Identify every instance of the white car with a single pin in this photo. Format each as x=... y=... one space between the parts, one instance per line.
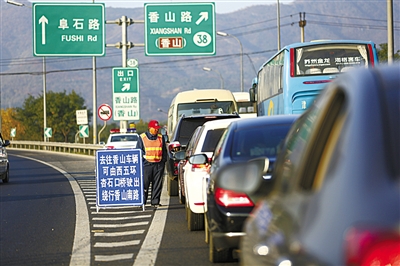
x=203 y=141
x=122 y=141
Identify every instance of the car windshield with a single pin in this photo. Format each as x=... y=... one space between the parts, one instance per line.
x=204 y=108
x=124 y=138
x=258 y=141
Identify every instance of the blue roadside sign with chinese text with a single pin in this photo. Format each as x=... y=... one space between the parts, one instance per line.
x=119 y=177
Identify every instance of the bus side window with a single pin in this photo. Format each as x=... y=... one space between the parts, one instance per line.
x=280 y=89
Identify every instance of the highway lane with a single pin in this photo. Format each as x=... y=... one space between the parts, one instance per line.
x=37 y=216
x=126 y=235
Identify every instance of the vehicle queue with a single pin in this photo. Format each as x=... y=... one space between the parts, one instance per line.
x=318 y=188
x=326 y=200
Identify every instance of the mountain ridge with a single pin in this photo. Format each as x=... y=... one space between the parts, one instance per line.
x=162 y=77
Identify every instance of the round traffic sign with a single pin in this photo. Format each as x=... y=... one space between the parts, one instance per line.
x=132 y=62
x=104 y=112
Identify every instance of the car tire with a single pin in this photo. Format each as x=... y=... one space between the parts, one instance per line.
x=195 y=221
x=6 y=176
x=182 y=199
x=172 y=187
x=186 y=212
x=216 y=255
x=206 y=230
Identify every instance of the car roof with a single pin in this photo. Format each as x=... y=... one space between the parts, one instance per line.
x=209 y=116
x=218 y=123
x=264 y=120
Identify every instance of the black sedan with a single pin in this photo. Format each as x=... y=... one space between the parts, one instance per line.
x=336 y=197
x=226 y=210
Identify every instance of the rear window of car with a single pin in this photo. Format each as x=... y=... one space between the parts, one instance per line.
x=211 y=139
x=187 y=128
x=258 y=141
x=187 y=125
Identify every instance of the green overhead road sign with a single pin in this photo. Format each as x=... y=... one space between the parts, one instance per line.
x=68 y=29
x=125 y=93
x=180 y=29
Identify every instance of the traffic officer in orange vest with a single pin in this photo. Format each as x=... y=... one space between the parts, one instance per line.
x=155 y=155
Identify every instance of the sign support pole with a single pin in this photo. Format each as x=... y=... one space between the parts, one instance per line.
x=44 y=99
x=124 y=124
x=124 y=45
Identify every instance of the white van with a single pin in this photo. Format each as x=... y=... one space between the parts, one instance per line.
x=200 y=102
x=245 y=107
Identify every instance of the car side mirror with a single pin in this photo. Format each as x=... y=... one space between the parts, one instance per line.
x=102 y=143
x=198 y=159
x=180 y=155
x=6 y=143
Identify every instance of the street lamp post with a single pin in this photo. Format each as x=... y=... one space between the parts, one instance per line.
x=44 y=77
x=278 y=21
x=224 y=34
x=161 y=111
x=210 y=69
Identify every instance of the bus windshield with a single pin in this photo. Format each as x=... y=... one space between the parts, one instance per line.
x=334 y=58
x=204 y=108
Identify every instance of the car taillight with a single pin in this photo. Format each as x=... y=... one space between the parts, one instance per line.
x=110 y=147
x=372 y=246
x=199 y=167
x=228 y=198
x=176 y=167
x=174 y=146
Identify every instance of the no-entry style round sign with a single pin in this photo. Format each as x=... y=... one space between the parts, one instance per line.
x=104 y=112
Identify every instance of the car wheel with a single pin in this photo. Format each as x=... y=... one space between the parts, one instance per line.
x=195 y=221
x=172 y=187
x=6 y=176
x=182 y=199
x=215 y=255
x=206 y=230
x=186 y=212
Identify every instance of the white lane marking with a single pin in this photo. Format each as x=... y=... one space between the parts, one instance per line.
x=124 y=233
x=119 y=225
x=116 y=244
x=115 y=213
x=120 y=218
x=81 y=247
x=117 y=257
x=148 y=252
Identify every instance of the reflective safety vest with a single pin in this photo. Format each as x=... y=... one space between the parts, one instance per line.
x=153 y=148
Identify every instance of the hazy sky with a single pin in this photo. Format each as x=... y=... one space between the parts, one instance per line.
x=221 y=6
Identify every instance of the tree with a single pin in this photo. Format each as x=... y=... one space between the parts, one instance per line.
x=31 y=116
x=8 y=121
x=60 y=115
x=383 y=53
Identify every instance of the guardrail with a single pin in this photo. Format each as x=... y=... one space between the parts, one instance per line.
x=76 y=148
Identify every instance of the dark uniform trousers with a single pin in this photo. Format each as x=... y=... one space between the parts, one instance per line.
x=154 y=174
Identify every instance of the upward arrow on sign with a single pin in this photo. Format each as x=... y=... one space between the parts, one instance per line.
x=43 y=20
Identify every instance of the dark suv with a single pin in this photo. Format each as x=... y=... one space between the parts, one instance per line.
x=180 y=138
